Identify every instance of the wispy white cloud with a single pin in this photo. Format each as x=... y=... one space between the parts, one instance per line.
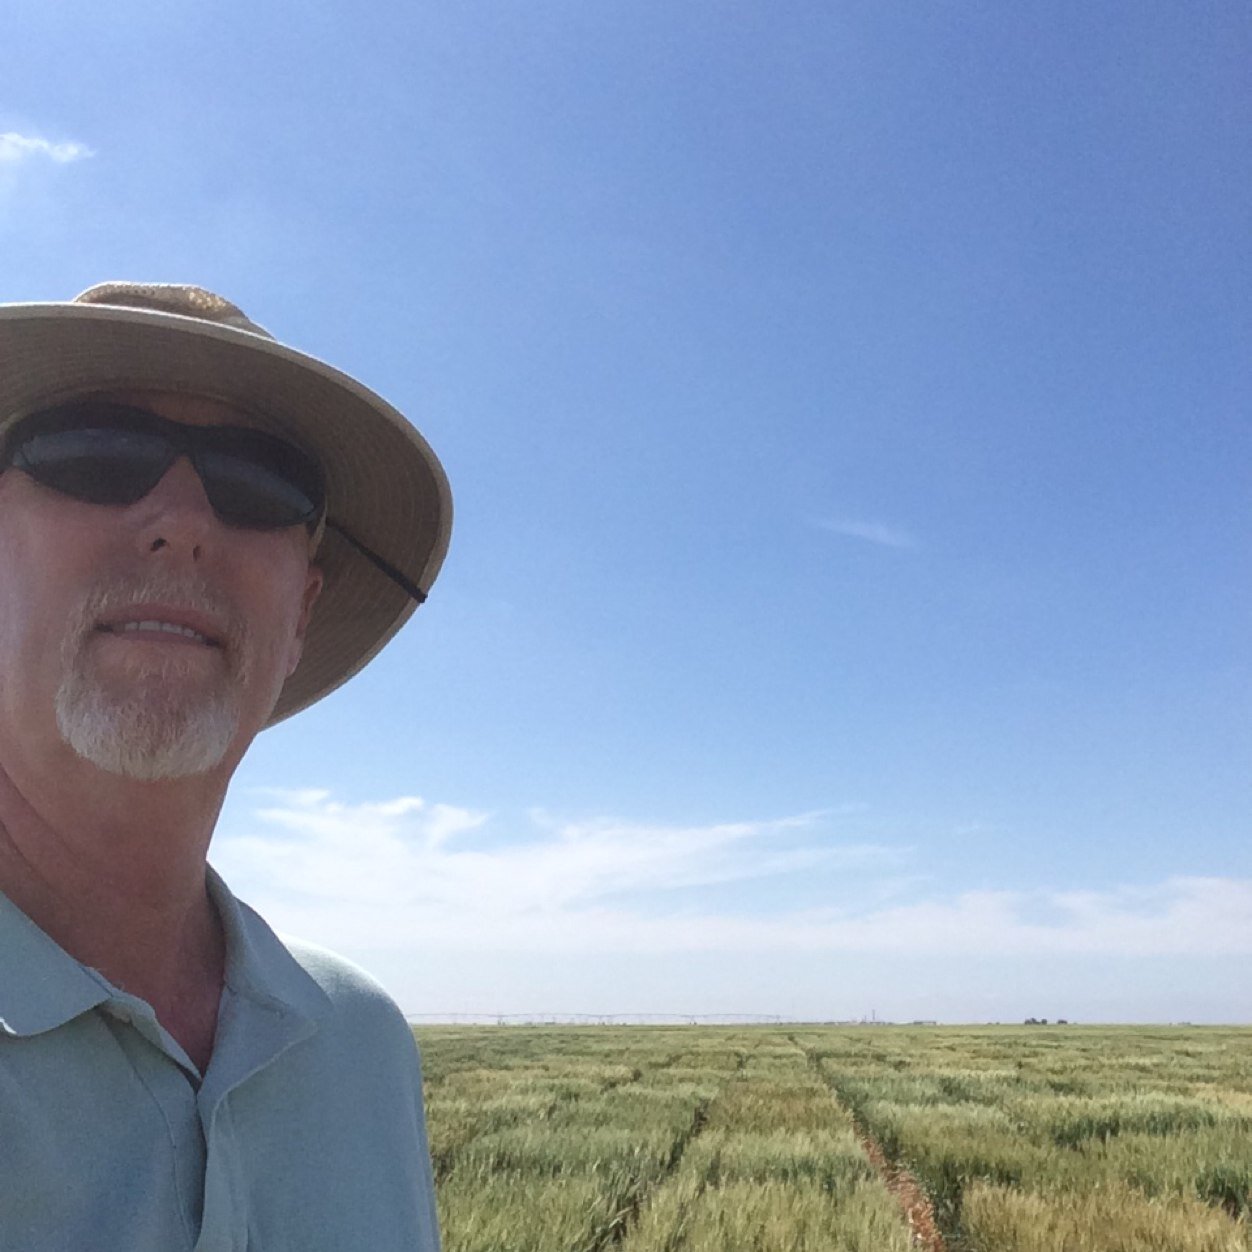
x=408 y=875
x=15 y=147
x=401 y=859
x=870 y=532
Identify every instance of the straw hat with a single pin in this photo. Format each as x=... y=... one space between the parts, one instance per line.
x=389 y=507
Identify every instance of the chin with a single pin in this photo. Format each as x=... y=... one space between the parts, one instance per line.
x=146 y=739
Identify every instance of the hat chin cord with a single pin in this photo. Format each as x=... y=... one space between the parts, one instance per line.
x=379 y=562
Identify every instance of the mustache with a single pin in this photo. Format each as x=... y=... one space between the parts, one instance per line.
x=187 y=591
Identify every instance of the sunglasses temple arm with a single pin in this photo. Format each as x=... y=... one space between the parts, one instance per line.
x=379 y=563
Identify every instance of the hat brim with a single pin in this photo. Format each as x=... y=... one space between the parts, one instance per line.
x=384 y=484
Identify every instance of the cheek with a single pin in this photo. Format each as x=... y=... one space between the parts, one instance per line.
x=35 y=586
x=277 y=608
x=41 y=586
x=51 y=548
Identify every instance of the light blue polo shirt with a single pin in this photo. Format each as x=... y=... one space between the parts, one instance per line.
x=306 y=1133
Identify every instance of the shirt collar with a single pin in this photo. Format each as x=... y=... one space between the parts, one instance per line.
x=41 y=986
x=269 y=1003
x=258 y=965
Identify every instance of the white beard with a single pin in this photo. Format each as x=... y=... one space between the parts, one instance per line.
x=149 y=727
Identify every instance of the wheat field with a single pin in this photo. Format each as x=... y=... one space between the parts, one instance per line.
x=756 y=1139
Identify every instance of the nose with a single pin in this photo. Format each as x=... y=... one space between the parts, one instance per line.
x=176 y=517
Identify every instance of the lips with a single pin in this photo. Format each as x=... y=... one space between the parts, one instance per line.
x=169 y=628
x=145 y=621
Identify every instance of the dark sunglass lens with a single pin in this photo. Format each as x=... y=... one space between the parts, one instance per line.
x=107 y=453
x=100 y=465
x=245 y=492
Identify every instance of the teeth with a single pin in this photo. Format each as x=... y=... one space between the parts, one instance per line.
x=169 y=628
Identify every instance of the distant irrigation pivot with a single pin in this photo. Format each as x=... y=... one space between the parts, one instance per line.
x=596 y=1019
x=643 y=1019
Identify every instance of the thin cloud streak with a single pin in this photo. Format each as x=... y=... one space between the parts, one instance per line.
x=407 y=876
x=399 y=851
x=15 y=147
x=871 y=532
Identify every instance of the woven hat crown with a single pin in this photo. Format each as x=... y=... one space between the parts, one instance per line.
x=187 y=301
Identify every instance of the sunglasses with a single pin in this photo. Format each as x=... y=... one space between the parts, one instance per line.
x=101 y=452
x=105 y=453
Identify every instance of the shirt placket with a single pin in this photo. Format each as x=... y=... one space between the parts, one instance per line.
x=172 y=1091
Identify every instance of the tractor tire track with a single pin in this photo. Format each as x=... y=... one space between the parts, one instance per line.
x=908 y=1193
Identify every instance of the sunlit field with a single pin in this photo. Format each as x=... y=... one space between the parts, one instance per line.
x=698 y=1139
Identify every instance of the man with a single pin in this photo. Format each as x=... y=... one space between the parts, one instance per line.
x=201 y=532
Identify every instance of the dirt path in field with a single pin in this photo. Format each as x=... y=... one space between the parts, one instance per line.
x=905 y=1189
x=908 y=1193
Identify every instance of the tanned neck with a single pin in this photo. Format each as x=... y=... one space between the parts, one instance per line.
x=114 y=872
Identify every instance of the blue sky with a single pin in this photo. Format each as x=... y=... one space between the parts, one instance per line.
x=847 y=409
